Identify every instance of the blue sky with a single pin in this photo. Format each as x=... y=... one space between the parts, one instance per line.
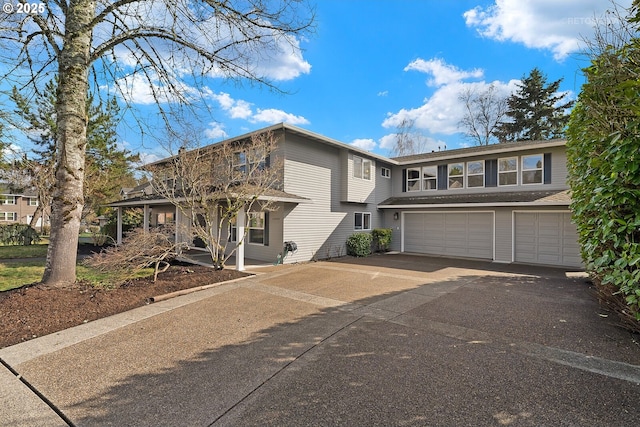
x=371 y=63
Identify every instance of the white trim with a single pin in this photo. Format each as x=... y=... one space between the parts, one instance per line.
x=363 y=214
x=493 y=213
x=517 y=171
x=456 y=176
x=467 y=175
x=473 y=205
x=522 y=169
x=513 y=225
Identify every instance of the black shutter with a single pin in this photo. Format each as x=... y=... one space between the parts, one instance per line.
x=442 y=177
x=547 y=168
x=491 y=173
x=404 y=180
x=267 y=161
x=266 y=228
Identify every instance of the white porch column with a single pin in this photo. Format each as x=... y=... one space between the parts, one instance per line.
x=119 y=227
x=145 y=221
x=178 y=219
x=240 y=222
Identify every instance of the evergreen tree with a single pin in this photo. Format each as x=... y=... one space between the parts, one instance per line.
x=536 y=111
x=107 y=168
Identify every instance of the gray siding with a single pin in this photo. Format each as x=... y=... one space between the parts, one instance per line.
x=321 y=226
x=558 y=174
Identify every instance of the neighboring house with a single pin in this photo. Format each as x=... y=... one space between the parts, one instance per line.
x=17 y=206
x=504 y=202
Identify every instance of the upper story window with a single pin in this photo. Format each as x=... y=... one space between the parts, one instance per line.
x=430 y=178
x=361 y=168
x=508 y=171
x=475 y=174
x=240 y=161
x=456 y=175
x=32 y=201
x=413 y=179
x=8 y=200
x=532 y=169
x=362 y=221
x=385 y=172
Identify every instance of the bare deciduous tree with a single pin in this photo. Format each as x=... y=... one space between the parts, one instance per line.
x=484 y=110
x=170 y=45
x=408 y=141
x=211 y=185
x=139 y=250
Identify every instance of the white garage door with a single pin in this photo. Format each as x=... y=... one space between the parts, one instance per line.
x=546 y=238
x=452 y=234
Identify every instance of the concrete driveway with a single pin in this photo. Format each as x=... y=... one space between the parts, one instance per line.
x=393 y=340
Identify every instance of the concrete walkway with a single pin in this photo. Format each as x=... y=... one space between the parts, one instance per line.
x=389 y=340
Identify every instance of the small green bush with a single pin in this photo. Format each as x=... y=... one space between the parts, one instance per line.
x=359 y=244
x=382 y=238
x=18 y=234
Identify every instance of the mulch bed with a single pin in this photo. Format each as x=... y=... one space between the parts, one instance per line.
x=33 y=311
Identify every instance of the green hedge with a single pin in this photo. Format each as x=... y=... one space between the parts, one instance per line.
x=359 y=244
x=18 y=234
x=603 y=158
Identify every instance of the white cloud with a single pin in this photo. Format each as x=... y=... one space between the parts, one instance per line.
x=441 y=112
x=273 y=116
x=383 y=93
x=215 y=131
x=365 y=144
x=427 y=144
x=559 y=26
x=442 y=72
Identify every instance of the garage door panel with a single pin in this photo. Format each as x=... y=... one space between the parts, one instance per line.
x=451 y=234
x=546 y=238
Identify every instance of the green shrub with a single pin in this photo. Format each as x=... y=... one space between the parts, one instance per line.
x=18 y=234
x=603 y=159
x=359 y=244
x=381 y=238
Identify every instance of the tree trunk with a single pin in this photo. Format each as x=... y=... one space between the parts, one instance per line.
x=68 y=200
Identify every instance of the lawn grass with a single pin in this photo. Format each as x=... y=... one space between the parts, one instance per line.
x=17 y=251
x=16 y=274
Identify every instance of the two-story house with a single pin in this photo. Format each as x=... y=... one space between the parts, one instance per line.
x=506 y=203
x=17 y=206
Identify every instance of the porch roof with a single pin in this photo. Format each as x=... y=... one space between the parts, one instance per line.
x=516 y=198
x=269 y=195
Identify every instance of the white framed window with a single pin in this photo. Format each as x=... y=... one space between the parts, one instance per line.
x=233 y=230
x=255 y=224
x=8 y=216
x=532 y=169
x=429 y=178
x=508 y=171
x=32 y=201
x=361 y=168
x=239 y=162
x=8 y=200
x=385 y=172
x=475 y=174
x=456 y=175
x=164 y=218
x=413 y=179
x=362 y=221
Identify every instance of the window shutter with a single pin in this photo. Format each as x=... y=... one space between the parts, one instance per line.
x=266 y=228
x=404 y=180
x=442 y=177
x=547 y=168
x=267 y=161
x=491 y=173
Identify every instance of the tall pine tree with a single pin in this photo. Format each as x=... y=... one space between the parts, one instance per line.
x=536 y=111
x=107 y=167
